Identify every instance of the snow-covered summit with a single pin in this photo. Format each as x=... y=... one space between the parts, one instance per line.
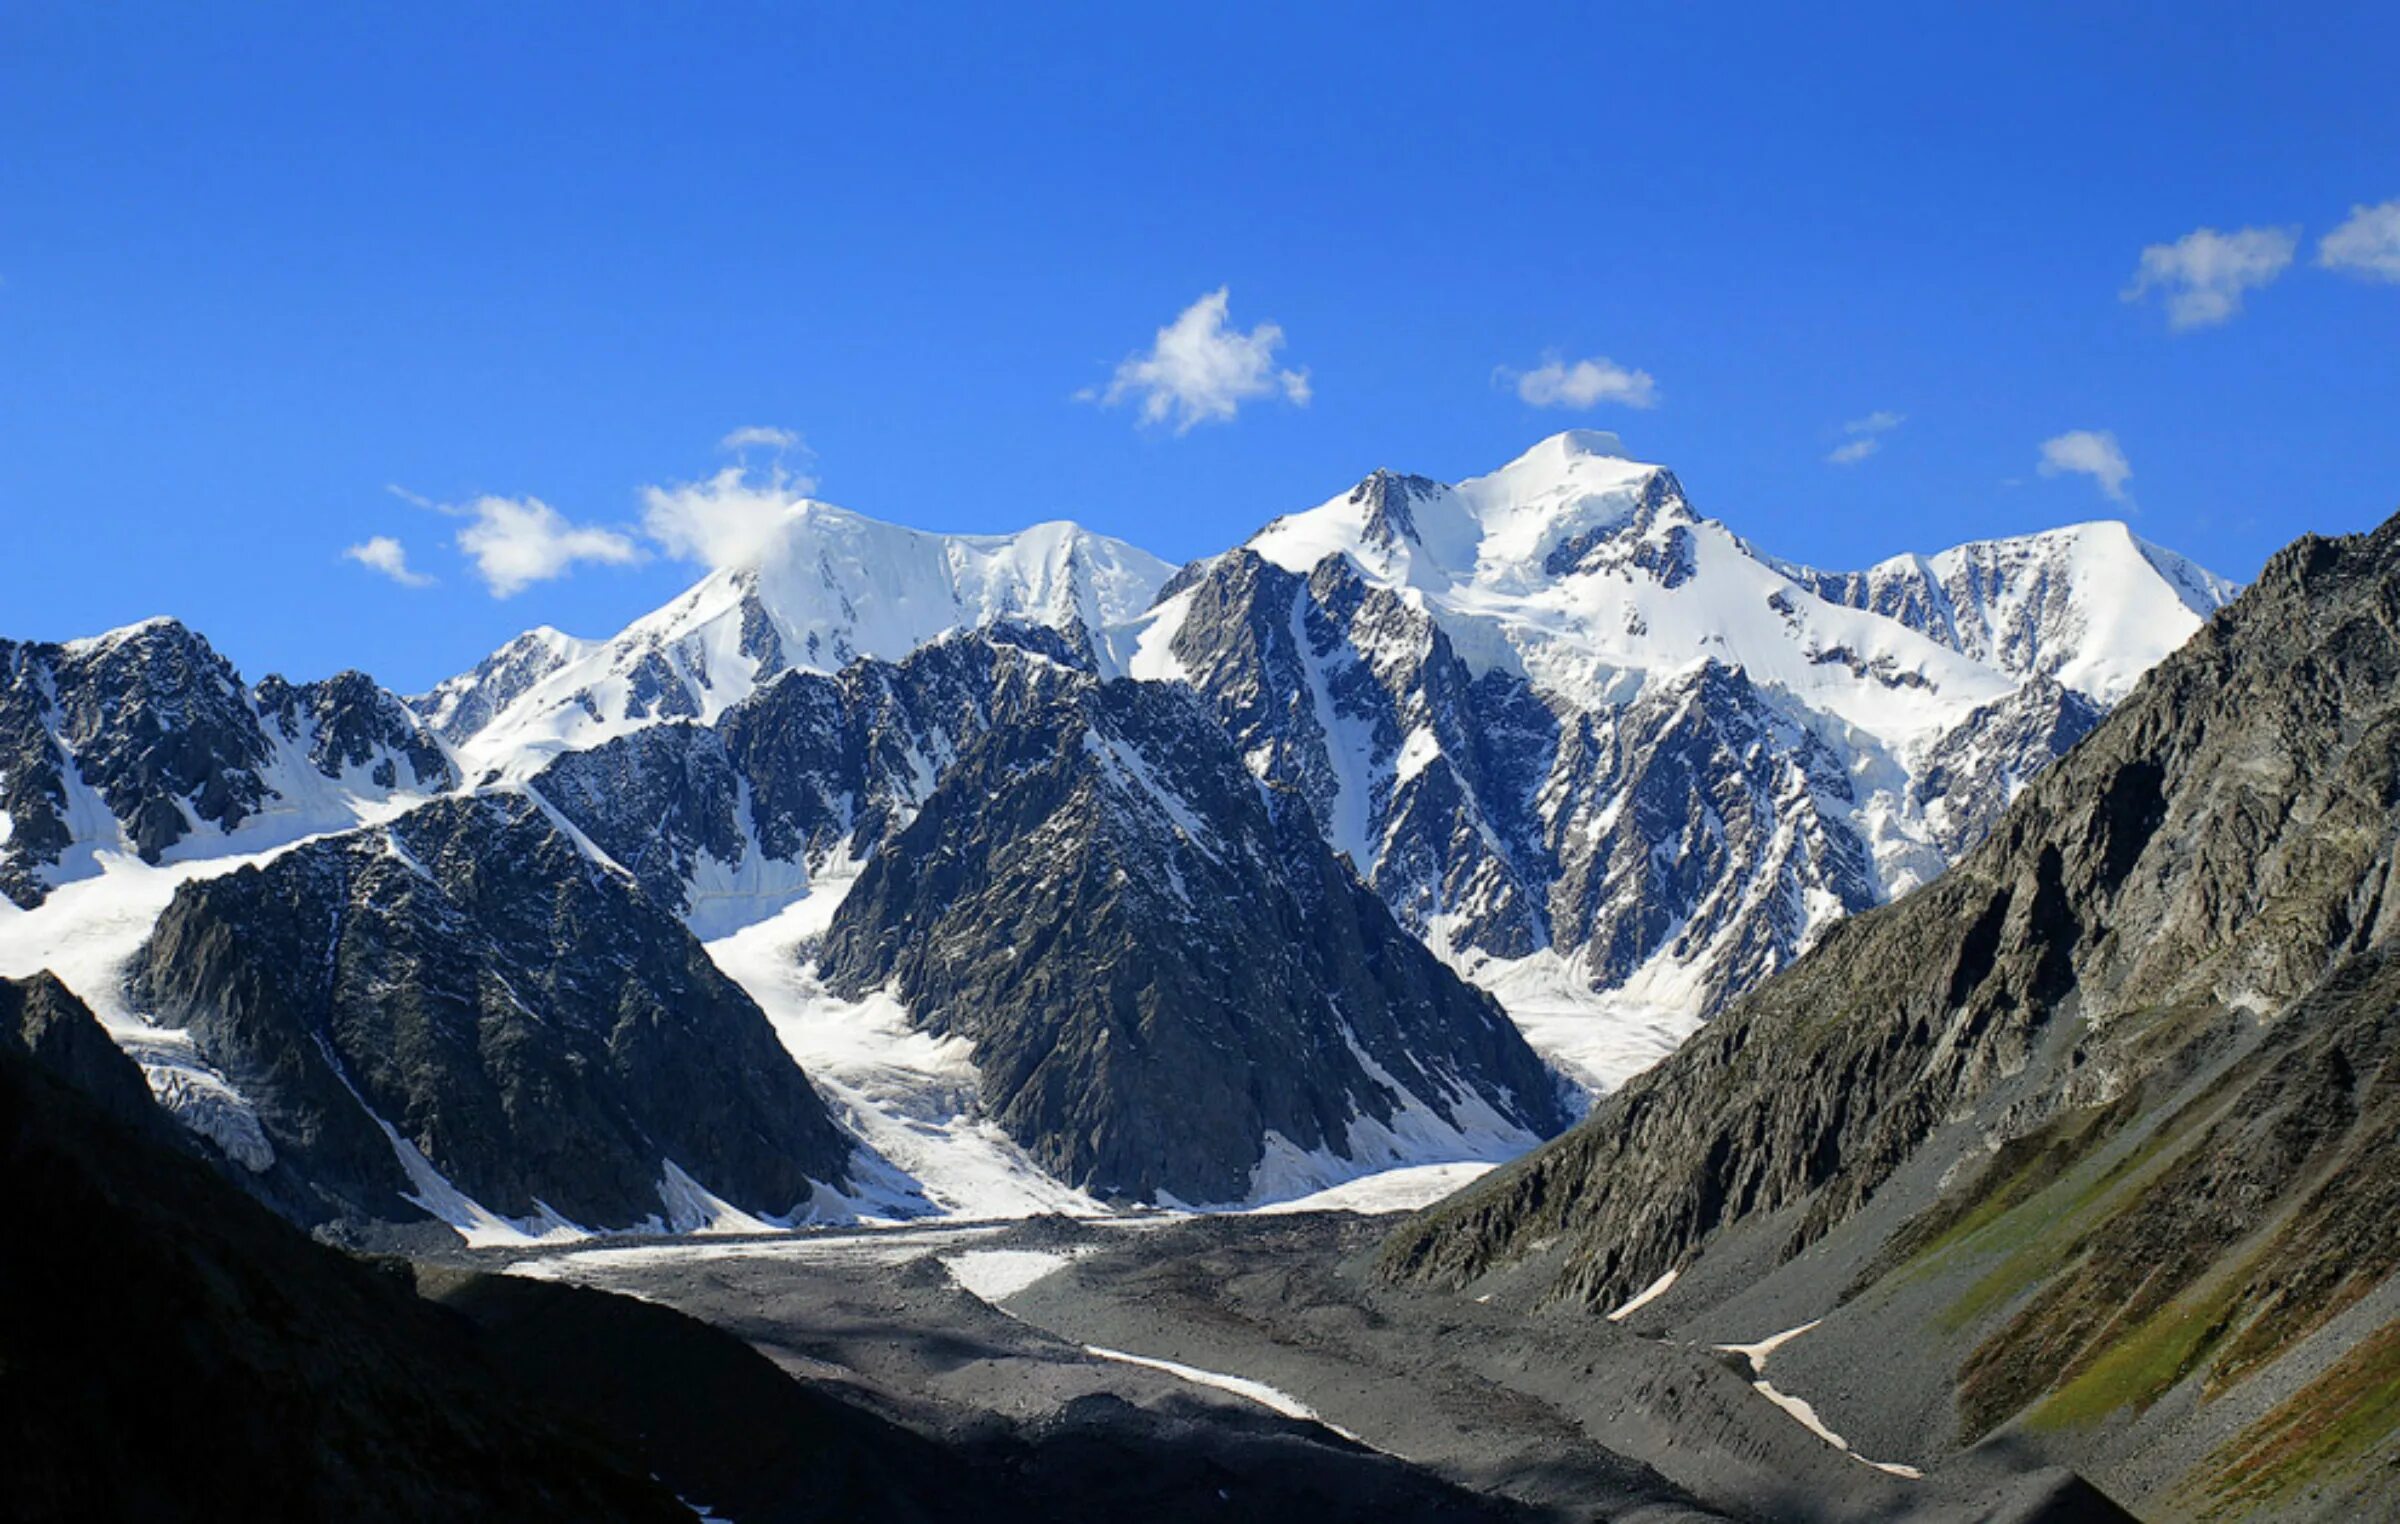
x=2092 y=606
x=1589 y=573
x=1554 y=713
x=826 y=587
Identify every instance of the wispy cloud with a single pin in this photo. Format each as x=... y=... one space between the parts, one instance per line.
x=2089 y=452
x=2368 y=244
x=2203 y=274
x=1583 y=384
x=518 y=541
x=1200 y=370
x=758 y=436
x=1866 y=437
x=724 y=520
x=381 y=553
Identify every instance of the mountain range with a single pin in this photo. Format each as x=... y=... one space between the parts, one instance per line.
x=889 y=873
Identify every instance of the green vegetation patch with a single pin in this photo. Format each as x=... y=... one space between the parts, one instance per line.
x=2346 y=1415
x=2144 y=1365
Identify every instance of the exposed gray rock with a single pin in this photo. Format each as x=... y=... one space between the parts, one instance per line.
x=809 y=769
x=462 y=705
x=533 y=1025
x=1159 y=962
x=348 y=724
x=148 y=719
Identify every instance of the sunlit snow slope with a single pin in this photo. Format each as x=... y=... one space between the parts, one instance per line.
x=826 y=588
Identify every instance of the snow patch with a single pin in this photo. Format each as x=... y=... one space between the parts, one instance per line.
x=994 y=1275
x=911 y=1098
x=1646 y=1296
x=1255 y=1391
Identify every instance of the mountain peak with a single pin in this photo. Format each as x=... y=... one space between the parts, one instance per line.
x=1571 y=444
x=156 y=627
x=822 y=588
x=1386 y=496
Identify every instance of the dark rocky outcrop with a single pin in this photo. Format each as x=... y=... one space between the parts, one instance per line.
x=148 y=718
x=1159 y=961
x=536 y=1027
x=1283 y=657
x=1702 y=823
x=348 y=724
x=41 y=1020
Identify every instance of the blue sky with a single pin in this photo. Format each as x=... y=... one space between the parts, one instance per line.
x=258 y=267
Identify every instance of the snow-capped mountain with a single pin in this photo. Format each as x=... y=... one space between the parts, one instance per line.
x=1554 y=714
x=980 y=824
x=1173 y=988
x=2091 y=606
x=826 y=588
x=459 y=1015
x=144 y=743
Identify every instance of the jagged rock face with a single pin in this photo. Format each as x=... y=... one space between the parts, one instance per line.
x=1972 y=774
x=461 y=706
x=1352 y=698
x=1159 y=962
x=137 y=738
x=2039 y=606
x=661 y=802
x=348 y=724
x=807 y=770
x=2148 y=1023
x=835 y=763
x=531 y=1024
x=1699 y=824
x=1486 y=693
x=148 y=719
x=1702 y=827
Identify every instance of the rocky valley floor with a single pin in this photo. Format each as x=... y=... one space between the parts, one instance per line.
x=1268 y=1333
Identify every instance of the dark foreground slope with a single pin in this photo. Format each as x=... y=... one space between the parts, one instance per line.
x=2093 y=1144
x=171 y=1350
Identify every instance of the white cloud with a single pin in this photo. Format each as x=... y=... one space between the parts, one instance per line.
x=2368 y=244
x=1200 y=371
x=1866 y=436
x=2204 y=273
x=516 y=542
x=759 y=436
x=384 y=554
x=725 y=520
x=1584 y=384
x=2089 y=452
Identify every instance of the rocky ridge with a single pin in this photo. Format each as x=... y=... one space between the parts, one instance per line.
x=142 y=739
